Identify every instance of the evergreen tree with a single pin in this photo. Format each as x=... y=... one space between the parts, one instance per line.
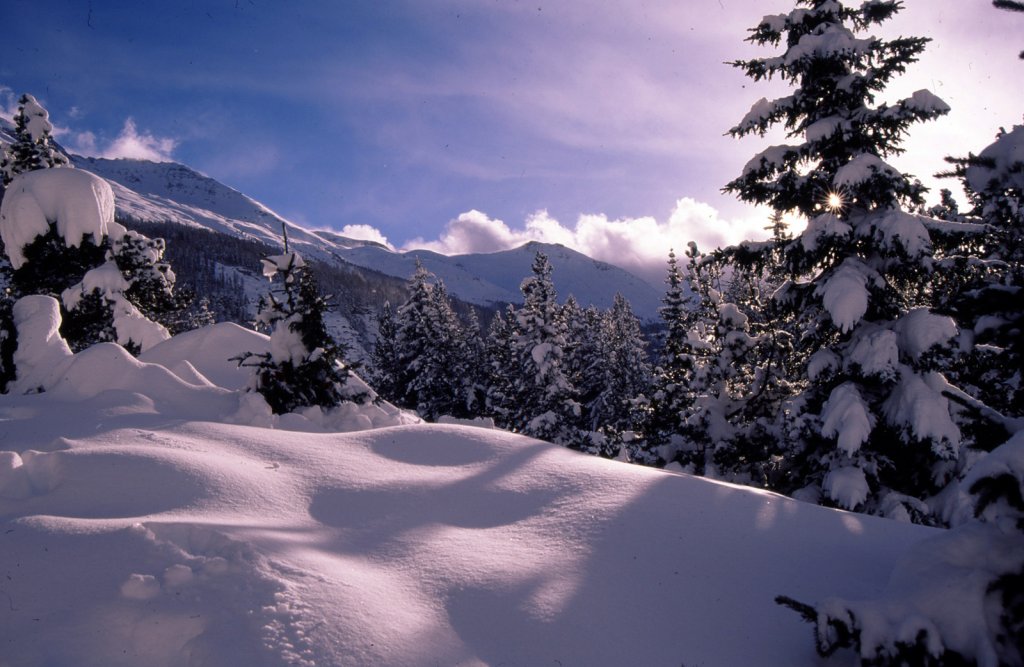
x=499 y=350
x=428 y=349
x=854 y=299
x=544 y=402
x=387 y=370
x=305 y=365
x=983 y=275
x=33 y=146
x=626 y=370
x=473 y=367
x=671 y=374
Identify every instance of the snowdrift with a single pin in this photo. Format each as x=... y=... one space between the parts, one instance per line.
x=150 y=514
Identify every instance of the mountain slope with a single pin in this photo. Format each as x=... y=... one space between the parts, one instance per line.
x=169 y=192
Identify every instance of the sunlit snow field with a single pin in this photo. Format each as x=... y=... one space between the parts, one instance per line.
x=160 y=516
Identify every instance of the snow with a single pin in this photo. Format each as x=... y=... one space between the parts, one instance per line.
x=773 y=22
x=918 y=405
x=844 y=294
x=78 y=202
x=1001 y=163
x=143 y=520
x=898 y=229
x=847 y=418
x=965 y=561
x=129 y=323
x=861 y=169
x=875 y=351
x=833 y=39
x=920 y=330
x=847 y=486
x=38 y=122
x=823 y=128
x=770 y=159
x=822 y=227
x=926 y=102
x=41 y=350
x=759 y=112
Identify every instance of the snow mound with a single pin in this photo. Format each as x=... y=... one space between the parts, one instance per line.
x=78 y=202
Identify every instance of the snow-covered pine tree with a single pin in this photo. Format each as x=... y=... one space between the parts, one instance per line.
x=473 y=368
x=584 y=357
x=386 y=367
x=983 y=286
x=622 y=403
x=428 y=341
x=671 y=375
x=450 y=386
x=305 y=365
x=33 y=146
x=58 y=230
x=544 y=403
x=499 y=349
x=881 y=435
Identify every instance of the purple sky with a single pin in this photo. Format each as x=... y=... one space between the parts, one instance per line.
x=470 y=125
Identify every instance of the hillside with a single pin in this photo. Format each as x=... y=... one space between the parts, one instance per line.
x=160 y=518
x=168 y=192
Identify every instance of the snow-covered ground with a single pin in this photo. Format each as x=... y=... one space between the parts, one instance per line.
x=152 y=514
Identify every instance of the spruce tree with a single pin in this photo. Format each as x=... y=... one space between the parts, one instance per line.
x=671 y=375
x=626 y=370
x=386 y=367
x=305 y=366
x=428 y=342
x=33 y=146
x=544 y=402
x=499 y=351
x=876 y=432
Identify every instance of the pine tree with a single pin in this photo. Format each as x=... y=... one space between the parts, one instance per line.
x=854 y=299
x=671 y=374
x=626 y=370
x=983 y=274
x=387 y=370
x=544 y=403
x=428 y=345
x=305 y=365
x=499 y=377
x=33 y=146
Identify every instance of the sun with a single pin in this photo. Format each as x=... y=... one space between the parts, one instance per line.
x=834 y=202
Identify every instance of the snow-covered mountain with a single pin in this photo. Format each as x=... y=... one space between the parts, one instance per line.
x=169 y=192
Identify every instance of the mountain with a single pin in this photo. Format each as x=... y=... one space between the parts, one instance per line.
x=151 y=192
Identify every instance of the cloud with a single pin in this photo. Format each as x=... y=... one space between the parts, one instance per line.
x=365 y=233
x=131 y=144
x=640 y=245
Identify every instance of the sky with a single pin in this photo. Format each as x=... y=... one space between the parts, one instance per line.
x=471 y=125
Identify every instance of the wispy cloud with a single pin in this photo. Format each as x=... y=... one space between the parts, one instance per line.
x=131 y=143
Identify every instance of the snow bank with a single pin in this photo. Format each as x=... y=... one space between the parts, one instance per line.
x=203 y=543
x=41 y=351
x=78 y=202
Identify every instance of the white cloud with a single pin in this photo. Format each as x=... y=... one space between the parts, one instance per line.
x=140 y=146
x=640 y=245
x=365 y=233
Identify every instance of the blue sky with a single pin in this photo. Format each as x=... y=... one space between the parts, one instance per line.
x=468 y=124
